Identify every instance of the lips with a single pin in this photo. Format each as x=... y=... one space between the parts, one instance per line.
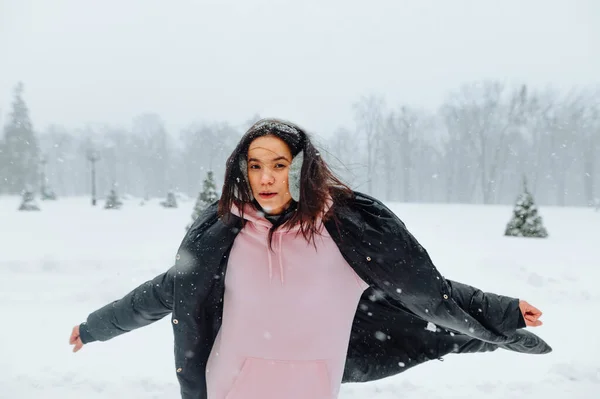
x=267 y=195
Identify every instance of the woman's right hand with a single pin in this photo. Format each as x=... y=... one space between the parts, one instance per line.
x=75 y=339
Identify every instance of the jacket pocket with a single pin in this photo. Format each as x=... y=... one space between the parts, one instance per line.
x=282 y=379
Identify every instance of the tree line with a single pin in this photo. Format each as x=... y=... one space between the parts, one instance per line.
x=475 y=148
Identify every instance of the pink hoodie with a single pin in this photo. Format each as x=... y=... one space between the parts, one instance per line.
x=287 y=316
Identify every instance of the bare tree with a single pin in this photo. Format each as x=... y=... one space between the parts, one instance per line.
x=398 y=143
x=565 y=124
x=486 y=119
x=459 y=157
x=343 y=154
x=63 y=166
x=590 y=144
x=534 y=137
x=155 y=147
x=368 y=114
x=389 y=151
x=408 y=125
x=205 y=147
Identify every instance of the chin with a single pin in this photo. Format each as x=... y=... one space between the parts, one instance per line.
x=276 y=203
x=270 y=207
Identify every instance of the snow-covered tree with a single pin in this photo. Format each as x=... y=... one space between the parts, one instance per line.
x=171 y=201
x=19 y=153
x=28 y=202
x=113 y=201
x=48 y=194
x=526 y=222
x=208 y=195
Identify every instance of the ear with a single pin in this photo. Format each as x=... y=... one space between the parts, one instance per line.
x=294 y=174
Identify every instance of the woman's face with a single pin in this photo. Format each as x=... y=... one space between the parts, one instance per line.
x=269 y=160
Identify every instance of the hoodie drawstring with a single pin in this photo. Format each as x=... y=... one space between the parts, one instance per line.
x=280 y=260
x=270 y=264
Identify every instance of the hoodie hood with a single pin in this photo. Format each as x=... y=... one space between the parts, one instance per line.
x=259 y=230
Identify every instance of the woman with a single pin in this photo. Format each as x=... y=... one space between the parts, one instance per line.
x=292 y=283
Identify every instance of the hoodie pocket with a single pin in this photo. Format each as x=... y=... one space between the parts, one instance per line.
x=282 y=379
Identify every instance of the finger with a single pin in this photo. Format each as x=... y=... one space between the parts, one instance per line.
x=534 y=315
x=533 y=323
x=74 y=333
x=77 y=347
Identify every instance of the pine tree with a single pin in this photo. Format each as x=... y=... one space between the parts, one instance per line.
x=113 y=201
x=171 y=201
x=48 y=194
x=28 y=202
x=206 y=197
x=526 y=222
x=20 y=148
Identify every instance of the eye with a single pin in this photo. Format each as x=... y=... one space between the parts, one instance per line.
x=280 y=166
x=254 y=166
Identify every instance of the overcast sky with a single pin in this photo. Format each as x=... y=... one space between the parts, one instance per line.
x=305 y=60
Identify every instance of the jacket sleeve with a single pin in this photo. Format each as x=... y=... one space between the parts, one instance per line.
x=152 y=300
x=149 y=302
x=498 y=313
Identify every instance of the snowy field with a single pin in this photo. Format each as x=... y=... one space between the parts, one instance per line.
x=59 y=264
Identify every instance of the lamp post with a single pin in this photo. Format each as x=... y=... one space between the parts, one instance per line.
x=43 y=162
x=93 y=157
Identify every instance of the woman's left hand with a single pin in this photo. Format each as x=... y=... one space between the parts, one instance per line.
x=531 y=314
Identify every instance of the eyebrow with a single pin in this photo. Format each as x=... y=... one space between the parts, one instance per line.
x=272 y=160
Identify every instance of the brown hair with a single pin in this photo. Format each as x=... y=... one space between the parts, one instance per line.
x=317 y=182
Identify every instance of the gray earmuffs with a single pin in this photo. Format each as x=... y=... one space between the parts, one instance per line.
x=294 y=175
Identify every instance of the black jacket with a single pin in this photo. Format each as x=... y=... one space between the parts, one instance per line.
x=410 y=313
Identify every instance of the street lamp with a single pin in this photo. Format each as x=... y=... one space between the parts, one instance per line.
x=43 y=162
x=93 y=157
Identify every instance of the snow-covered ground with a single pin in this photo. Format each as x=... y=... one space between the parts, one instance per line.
x=59 y=264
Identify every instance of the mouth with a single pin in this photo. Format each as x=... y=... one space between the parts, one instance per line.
x=267 y=195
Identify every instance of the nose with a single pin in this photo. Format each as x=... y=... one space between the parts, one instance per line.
x=266 y=177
